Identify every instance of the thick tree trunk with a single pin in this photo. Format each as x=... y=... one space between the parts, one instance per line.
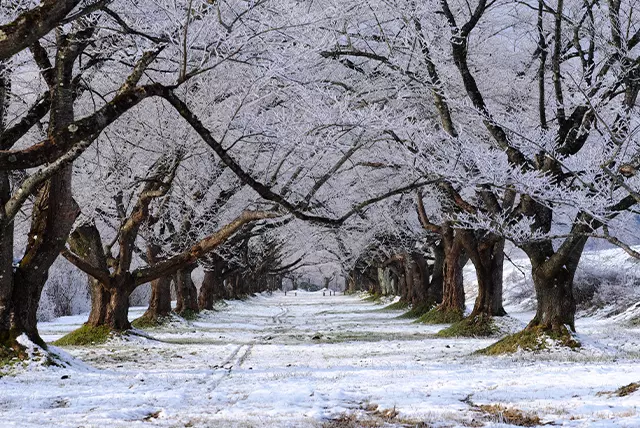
x=454 y=261
x=350 y=282
x=85 y=241
x=554 y=292
x=420 y=273
x=100 y=301
x=6 y=262
x=186 y=292
x=487 y=256
x=110 y=304
x=211 y=290
x=117 y=316
x=371 y=277
x=403 y=290
x=26 y=298
x=160 y=300
x=53 y=216
x=553 y=273
x=556 y=303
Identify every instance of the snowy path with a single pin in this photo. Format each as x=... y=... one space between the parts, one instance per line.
x=301 y=360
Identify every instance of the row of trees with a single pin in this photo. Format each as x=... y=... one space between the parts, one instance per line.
x=527 y=114
x=105 y=106
x=140 y=138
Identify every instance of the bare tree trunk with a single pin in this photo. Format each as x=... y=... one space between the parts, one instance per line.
x=211 y=290
x=370 y=275
x=6 y=264
x=553 y=281
x=453 y=286
x=100 y=301
x=403 y=290
x=26 y=298
x=86 y=242
x=186 y=292
x=419 y=272
x=556 y=303
x=117 y=316
x=53 y=216
x=160 y=300
x=6 y=227
x=487 y=256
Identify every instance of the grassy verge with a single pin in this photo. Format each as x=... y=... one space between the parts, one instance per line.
x=374 y=298
x=437 y=316
x=471 y=327
x=85 y=335
x=534 y=339
x=397 y=306
x=417 y=311
x=189 y=314
x=147 y=322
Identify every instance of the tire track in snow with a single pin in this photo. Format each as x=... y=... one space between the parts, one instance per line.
x=235 y=360
x=277 y=319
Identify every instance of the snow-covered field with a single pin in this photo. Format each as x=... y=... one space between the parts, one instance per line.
x=295 y=361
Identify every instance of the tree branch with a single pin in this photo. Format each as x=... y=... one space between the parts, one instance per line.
x=32 y=25
x=206 y=245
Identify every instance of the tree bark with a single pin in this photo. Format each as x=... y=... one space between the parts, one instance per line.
x=211 y=290
x=487 y=256
x=117 y=316
x=160 y=300
x=553 y=281
x=556 y=303
x=186 y=292
x=52 y=219
x=100 y=301
x=6 y=227
x=420 y=274
x=454 y=261
x=6 y=263
x=26 y=298
x=32 y=25
x=85 y=241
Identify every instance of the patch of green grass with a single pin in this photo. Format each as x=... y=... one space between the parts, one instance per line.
x=374 y=298
x=478 y=326
x=9 y=357
x=10 y=350
x=146 y=322
x=397 y=306
x=85 y=335
x=533 y=340
x=438 y=316
x=623 y=391
x=189 y=314
x=627 y=389
x=417 y=311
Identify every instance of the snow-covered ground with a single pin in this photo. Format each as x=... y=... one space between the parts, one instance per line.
x=296 y=361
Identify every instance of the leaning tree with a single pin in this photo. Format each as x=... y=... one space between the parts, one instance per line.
x=49 y=134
